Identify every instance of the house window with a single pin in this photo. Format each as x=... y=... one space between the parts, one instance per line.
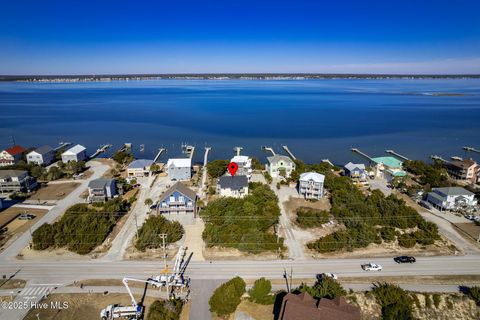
x=172 y=199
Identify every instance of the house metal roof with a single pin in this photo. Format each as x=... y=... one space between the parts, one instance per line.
x=11 y=173
x=15 y=150
x=43 y=150
x=180 y=162
x=388 y=161
x=180 y=187
x=140 y=164
x=276 y=158
x=233 y=182
x=307 y=176
x=454 y=191
x=352 y=166
x=75 y=149
x=100 y=183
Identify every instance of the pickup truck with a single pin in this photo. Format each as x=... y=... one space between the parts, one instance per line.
x=371 y=267
x=325 y=275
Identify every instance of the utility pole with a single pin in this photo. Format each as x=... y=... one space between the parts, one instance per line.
x=164 y=237
x=136 y=224
x=286 y=278
x=291 y=277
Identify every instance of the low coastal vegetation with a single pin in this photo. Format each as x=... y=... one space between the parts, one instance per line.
x=428 y=175
x=154 y=226
x=217 y=168
x=311 y=218
x=81 y=228
x=245 y=224
x=395 y=302
x=324 y=288
x=370 y=218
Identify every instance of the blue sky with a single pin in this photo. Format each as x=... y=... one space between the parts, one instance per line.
x=103 y=36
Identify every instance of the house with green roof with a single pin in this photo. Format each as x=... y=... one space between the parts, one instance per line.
x=389 y=168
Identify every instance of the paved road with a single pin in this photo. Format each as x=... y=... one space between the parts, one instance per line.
x=69 y=270
x=62 y=205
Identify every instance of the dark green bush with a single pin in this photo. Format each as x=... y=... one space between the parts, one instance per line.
x=436 y=300
x=149 y=233
x=226 y=298
x=260 y=292
x=217 y=168
x=474 y=294
x=396 y=303
x=165 y=310
x=388 y=234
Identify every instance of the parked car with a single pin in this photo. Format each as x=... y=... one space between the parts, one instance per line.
x=404 y=259
x=470 y=217
x=371 y=267
x=324 y=275
x=26 y=216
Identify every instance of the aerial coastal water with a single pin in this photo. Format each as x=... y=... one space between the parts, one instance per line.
x=317 y=119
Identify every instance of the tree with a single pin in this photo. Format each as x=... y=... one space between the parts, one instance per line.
x=38 y=171
x=123 y=157
x=154 y=168
x=260 y=292
x=149 y=233
x=226 y=298
x=217 y=168
x=165 y=310
x=148 y=202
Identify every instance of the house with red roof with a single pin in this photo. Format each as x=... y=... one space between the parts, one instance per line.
x=11 y=155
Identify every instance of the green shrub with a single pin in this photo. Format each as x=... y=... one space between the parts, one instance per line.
x=165 y=310
x=416 y=300
x=226 y=298
x=81 y=228
x=395 y=302
x=217 y=168
x=325 y=288
x=474 y=294
x=310 y=218
x=43 y=237
x=149 y=233
x=436 y=300
x=407 y=240
x=428 y=301
x=268 y=177
x=388 y=234
x=260 y=292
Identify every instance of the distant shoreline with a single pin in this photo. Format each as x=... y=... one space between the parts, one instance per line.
x=222 y=76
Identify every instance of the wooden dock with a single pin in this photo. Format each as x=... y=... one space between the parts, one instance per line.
x=289 y=152
x=100 y=150
x=62 y=145
x=237 y=150
x=398 y=155
x=356 y=150
x=435 y=157
x=160 y=151
x=471 y=149
x=268 y=149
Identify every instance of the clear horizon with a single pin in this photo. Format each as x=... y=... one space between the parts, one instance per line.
x=374 y=37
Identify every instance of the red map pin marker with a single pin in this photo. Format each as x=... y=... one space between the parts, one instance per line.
x=232 y=168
